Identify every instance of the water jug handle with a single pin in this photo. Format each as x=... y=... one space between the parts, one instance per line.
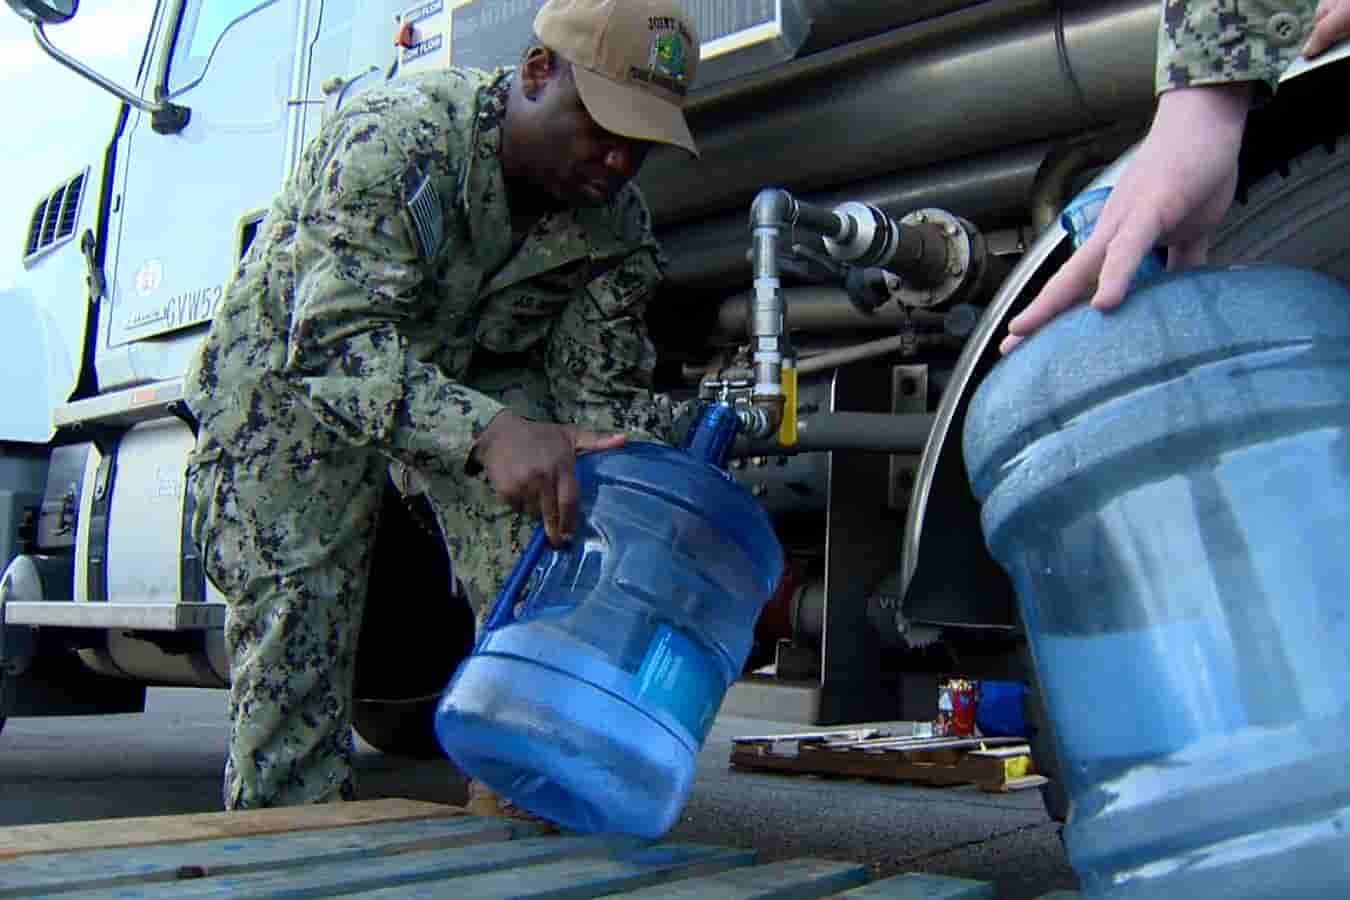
x=503 y=611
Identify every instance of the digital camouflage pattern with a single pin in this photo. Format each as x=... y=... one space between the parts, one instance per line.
x=384 y=314
x=1221 y=41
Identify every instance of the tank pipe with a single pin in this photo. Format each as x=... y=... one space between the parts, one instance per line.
x=833 y=359
x=822 y=308
x=867 y=432
x=856 y=233
x=772 y=212
x=1054 y=184
x=708 y=253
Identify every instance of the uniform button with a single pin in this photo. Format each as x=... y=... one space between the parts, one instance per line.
x=1283 y=29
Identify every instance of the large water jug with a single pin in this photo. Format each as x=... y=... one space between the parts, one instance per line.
x=1168 y=486
x=603 y=663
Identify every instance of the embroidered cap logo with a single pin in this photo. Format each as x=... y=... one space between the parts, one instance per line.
x=667 y=57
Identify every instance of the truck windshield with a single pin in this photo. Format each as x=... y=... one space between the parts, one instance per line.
x=203 y=24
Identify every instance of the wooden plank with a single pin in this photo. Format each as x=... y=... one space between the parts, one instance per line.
x=579 y=879
x=856 y=734
x=923 y=887
x=1005 y=752
x=87 y=869
x=306 y=879
x=934 y=743
x=887 y=767
x=64 y=836
x=1016 y=784
x=797 y=879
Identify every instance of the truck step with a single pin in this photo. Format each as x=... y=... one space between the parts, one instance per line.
x=403 y=849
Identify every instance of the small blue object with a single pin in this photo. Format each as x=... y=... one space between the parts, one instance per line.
x=999 y=710
x=603 y=663
x=1168 y=488
x=1080 y=217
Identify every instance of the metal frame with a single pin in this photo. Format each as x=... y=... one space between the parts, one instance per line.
x=862 y=545
x=127 y=616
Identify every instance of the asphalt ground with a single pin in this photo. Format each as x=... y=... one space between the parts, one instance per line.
x=168 y=760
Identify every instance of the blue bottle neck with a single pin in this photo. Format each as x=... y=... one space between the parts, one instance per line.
x=712 y=434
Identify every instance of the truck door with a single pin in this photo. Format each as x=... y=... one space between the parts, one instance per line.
x=188 y=203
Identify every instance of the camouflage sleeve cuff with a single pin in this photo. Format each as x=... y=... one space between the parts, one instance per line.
x=1204 y=42
x=440 y=421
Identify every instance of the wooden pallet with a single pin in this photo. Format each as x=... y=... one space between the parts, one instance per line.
x=992 y=764
x=402 y=849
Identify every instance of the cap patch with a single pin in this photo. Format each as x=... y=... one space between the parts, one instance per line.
x=667 y=58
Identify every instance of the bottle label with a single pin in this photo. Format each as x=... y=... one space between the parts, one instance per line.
x=676 y=676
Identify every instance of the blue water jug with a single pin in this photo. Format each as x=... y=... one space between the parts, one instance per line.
x=1168 y=486
x=603 y=663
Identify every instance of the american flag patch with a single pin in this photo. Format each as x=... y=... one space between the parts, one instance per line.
x=424 y=208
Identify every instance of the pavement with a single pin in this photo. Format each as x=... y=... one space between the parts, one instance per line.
x=168 y=760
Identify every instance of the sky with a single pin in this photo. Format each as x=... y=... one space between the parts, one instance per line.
x=55 y=121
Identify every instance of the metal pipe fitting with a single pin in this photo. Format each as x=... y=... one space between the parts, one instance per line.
x=771 y=213
x=869 y=432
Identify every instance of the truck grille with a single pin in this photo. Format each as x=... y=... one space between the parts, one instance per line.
x=55 y=217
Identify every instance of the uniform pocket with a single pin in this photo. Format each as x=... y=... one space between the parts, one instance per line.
x=208 y=519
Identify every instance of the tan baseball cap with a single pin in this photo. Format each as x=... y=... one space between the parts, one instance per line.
x=634 y=61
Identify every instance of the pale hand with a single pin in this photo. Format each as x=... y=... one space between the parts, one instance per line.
x=1173 y=193
x=1330 y=25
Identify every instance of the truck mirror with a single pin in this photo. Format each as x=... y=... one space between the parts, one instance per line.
x=48 y=12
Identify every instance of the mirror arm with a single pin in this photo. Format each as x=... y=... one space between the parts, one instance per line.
x=165 y=118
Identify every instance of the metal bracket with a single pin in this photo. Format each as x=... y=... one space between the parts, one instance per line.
x=909 y=395
x=170 y=118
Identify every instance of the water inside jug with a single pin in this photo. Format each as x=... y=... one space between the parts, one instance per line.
x=1168 y=486
x=604 y=662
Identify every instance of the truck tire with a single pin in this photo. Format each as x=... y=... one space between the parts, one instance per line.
x=415 y=630
x=1298 y=214
x=399 y=727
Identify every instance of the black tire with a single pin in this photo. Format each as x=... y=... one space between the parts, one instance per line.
x=1298 y=214
x=399 y=727
x=415 y=631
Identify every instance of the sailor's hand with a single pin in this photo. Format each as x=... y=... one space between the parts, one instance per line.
x=532 y=467
x=1331 y=25
x=1172 y=193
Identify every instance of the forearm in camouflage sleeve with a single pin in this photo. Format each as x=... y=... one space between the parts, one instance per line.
x=359 y=275
x=1222 y=41
x=600 y=359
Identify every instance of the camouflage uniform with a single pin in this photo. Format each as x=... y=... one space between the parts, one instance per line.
x=385 y=313
x=1220 y=41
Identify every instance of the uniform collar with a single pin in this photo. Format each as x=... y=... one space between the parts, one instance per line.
x=556 y=240
x=482 y=195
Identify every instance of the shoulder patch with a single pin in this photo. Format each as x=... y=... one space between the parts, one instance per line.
x=424 y=209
